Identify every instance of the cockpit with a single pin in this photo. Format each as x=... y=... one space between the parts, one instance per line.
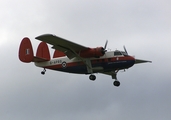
x=118 y=53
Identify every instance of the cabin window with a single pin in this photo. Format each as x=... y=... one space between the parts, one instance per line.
x=116 y=53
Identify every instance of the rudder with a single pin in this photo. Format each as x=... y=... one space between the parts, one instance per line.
x=43 y=52
x=26 y=51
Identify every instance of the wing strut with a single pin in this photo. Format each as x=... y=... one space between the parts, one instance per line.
x=89 y=66
x=87 y=62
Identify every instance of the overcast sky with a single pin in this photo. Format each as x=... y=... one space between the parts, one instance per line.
x=143 y=26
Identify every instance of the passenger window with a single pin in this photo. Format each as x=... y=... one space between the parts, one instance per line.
x=116 y=53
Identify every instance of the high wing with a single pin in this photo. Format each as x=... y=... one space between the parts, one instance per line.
x=69 y=48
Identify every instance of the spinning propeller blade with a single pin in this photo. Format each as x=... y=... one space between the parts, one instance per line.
x=104 y=48
x=105 y=44
x=125 y=49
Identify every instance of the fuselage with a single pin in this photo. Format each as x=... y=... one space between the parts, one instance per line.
x=109 y=62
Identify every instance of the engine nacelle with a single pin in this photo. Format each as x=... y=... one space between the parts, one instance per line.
x=92 y=52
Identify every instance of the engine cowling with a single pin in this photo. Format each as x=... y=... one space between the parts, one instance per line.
x=92 y=52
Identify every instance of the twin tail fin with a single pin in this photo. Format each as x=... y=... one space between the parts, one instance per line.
x=26 y=52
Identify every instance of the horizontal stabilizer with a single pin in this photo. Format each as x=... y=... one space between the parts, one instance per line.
x=37 y=59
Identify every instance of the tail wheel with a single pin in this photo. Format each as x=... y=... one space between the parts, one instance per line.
x=43 y=72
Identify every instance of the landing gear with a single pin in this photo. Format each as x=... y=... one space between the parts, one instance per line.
x=43 y=72
x=116 y=83
x=114 y=76
x=92 y=77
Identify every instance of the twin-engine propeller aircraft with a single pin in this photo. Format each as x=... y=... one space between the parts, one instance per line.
x=74 y=58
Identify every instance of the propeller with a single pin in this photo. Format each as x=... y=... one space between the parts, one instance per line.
x=125 y=49
x=104 y=48
x=106 y=45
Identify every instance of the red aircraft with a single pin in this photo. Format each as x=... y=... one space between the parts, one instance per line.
x=74 y=58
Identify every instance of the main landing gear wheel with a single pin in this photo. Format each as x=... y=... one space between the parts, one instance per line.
x=116 y=83
x=43 y=72
x=92 y=77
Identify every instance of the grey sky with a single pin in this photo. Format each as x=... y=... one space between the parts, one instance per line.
x=143 y=26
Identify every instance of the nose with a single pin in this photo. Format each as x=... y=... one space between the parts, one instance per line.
x=132 y=59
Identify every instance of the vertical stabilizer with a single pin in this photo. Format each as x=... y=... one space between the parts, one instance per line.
x=43 y=51
x=25 y=51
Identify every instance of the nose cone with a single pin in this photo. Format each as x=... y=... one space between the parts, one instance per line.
x=137 y=61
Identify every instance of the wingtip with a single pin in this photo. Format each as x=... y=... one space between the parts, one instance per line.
x=44 y=35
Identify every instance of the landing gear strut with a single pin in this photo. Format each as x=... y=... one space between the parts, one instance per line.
x=43 y=72
x=114 y=76
x=92 y=77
